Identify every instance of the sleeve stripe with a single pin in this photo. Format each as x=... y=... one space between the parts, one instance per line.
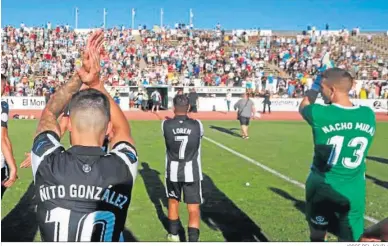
x=163 y=126
x=200 y=127
x=36 y=160
x=124 y=142
x=132 y=167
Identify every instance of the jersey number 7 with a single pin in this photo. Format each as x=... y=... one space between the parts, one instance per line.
x=182 y=148
x=359 y=143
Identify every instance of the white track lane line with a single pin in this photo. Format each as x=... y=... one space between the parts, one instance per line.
x=270 y=170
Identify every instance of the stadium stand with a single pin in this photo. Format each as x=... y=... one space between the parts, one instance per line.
x=37 y=60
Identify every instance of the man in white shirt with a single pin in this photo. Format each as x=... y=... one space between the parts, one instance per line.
x=156 y=100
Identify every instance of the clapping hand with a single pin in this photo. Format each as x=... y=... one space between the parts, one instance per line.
x=90 y=70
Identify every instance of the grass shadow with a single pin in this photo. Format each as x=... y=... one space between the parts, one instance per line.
x=157 y=193
x=20 y=224
x=377 y=159
x=220 y=213
x=128 y=236
x=225 y=130
x=298 y=204
x=377 y=181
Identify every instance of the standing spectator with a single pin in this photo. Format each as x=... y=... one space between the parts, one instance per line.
x=267 y=101
x=363 y=92
x=131 y=99
x=145 y=102
x=228 y=99
x=116 y=98
x=139 y=99
x=156 y=100
x=193 y=101
x=246 y=110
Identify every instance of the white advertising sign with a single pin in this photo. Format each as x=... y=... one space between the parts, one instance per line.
x=25 y=102
x=124 y=103
x=216 y=90
x=379 y=81
x=207 y=103
x=283 y=105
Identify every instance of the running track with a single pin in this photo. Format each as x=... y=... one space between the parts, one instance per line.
x=139 y=115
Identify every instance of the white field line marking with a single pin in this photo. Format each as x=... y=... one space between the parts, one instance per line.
x=270 y=170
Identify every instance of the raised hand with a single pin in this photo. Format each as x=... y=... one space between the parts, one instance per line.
x=90 y=70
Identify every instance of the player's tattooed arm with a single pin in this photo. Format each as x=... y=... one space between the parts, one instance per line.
x=56 y=104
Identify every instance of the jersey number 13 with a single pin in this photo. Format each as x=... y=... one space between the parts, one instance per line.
x=359 y=144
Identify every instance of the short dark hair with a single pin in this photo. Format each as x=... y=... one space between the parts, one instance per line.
x=339 y=77
x=90 y=98
x=336 y=73
x=181 y=101
x=3 y=77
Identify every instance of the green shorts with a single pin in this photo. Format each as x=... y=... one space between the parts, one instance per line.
x=334 y=207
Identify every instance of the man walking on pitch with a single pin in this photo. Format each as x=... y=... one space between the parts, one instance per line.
x=183 y=168
x=246 y=111
x=343 y=133
x=83 y=193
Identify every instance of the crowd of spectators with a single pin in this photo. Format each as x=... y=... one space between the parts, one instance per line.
x=38 y=60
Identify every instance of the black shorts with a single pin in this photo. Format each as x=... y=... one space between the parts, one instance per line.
x=4 y=173
x=192 y=191
x=193 y=109
x=155 y=103
x=244 y=121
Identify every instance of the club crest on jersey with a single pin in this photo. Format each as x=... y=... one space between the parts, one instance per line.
x=86 y=168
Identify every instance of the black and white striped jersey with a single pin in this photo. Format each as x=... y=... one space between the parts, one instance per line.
x=4 y=124
x=183 y=149
x=83 y=194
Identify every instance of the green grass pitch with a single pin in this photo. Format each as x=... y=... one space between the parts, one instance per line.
x=269 y=206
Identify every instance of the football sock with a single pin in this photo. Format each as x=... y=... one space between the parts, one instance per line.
x=174 y=226
x=193 y=234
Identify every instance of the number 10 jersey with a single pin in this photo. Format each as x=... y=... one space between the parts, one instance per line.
x=83 y=194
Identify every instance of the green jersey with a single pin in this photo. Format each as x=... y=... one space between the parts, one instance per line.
x=342 y=137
